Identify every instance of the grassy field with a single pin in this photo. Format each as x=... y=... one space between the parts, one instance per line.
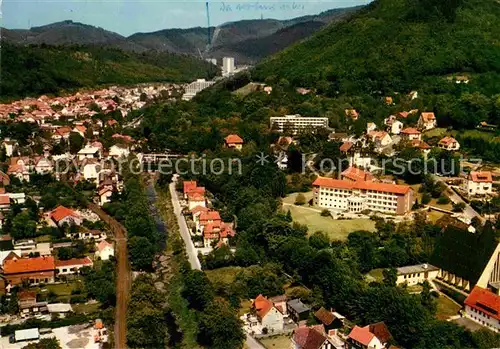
x=489 y=136
x=433 y=202
x=334 y=229
x=436 y=132
x=224 y=275
x=276 y=342
x=446 y=308
x=82 y=308
x=375 y=275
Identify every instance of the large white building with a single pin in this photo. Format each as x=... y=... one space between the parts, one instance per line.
x=228 y=67
x=196 y=86
x=483 y=307
x=296 y=123
x=416 y=274
x=479 y=183
x=355 y=197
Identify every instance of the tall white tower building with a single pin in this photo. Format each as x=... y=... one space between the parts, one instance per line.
x=227 y=66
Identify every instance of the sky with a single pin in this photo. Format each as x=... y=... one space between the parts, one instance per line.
x=131 y=16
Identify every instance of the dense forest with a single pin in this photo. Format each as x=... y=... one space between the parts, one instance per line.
x=36 y=70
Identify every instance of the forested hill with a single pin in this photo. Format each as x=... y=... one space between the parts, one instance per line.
x=392 y=45
x=35 y=70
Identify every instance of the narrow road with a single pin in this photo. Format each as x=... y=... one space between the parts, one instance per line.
x=468 y=212
x=190 y=250
x=123 y=277
x=251 y=343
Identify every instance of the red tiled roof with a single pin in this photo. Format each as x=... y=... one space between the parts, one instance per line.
x=362 y=185
x=357 y=174
x=62 y=131
x=380 y=330
x=23 y=295
x=195 y=196
x=27 y=265
x=485 y=301
x=61 y=212
x=410 y=131
x=428 y=116
x=189 y=185
x=233 y=139
x=103 y=244
x=4 y=200
x=309 y=337
x=325 y=316
x=346 y=146
x=262 y=305
x=210 y=215
x=417 y=143
x=481 y=176
x=403 y=114
x=361 y=335
x=199 y=209
x=447 y=140
x=73 y=261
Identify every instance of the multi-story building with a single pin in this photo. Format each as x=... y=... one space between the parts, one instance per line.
x=296 y=123
x=479 y=183
x=228 y=67
x=31 y=270
x=416 y=274
x=358 y=196
x=449 y=143
x=196 y=86
x=483 y=307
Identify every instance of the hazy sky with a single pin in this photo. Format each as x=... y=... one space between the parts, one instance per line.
x=130 y=16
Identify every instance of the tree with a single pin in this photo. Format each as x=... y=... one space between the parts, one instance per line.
x=390 y=277
x=23 y=226
x=300 y=199
x=44 y=343
x=219 y=326
x=426 y=297
x=459 y=207
x=197 y=290
x=319 y=240
x=76 y=142
x=13 y=304
x=141 y=253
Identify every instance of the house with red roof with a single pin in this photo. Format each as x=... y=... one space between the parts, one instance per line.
x=4 y=202
x=357 y=196
x=195 y=199
x=421 y=145
x=411 y=133
x=379 y=138
x=346 y=146
x=267 y=314
x=479 y=183
x=61 y=133
x=61 y=215
x=190 y=187
x=356 y=174
x=352 y=114
x=449 y=143
x=104 y=250
x=374 y=336
x=427 y=121
x=80 y=129
x=483 y=307
x=311 y=337
x=233 y=141
x=72 y=266
x=19 y=171
x=31 y=270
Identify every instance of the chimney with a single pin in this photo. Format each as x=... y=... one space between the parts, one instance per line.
x=425 y=266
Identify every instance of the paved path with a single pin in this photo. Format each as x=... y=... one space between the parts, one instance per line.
x=251 y=343
x=186 y=236
x=468 y=212
x=123 y=278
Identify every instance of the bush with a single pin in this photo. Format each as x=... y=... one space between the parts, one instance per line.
x=326 y=213
x=459 y=207
x=443 y=200
x=426 y=198
x=300 y=199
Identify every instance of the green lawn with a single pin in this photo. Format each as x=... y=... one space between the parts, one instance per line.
x=82 y=308
x=276 y=342
x=489 y=136
x=446 y=308
x=224 y=275
x=435 y=132
x=375 y=275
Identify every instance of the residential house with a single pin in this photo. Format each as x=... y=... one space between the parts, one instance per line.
x=90 y=169
x=9 y=145
x=410 y=133
x=9 y=255
x=104 y=250
x=268 y=316
x=416 y=274
x=80 y=129
x=483 y=307
x=217 y=232
x=312 y=337
x=195 y=199
x=61 y=133
x=43 y=165
x=61 y=215
x=4 y=202
x=330 y=319
x=19 y=171
x=396 y=127
x=28 y=305
x=234 y=141
x=421 y=145
x=388 y=100
x=345 y=195
x=427 y=121
x=371 y=126
x=118 y=151
x=380 y=138
x=297 y=310
x=449 y=143
x=374 y=336
x=354 y=174
x=89 y=152
x=479 y=183
x=105 y=195
x=190 y=187
x=32 y=270
x=72 y=266
x=345 y=147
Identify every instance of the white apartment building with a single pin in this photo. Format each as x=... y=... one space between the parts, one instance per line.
x=358 y=196
x=483 y=306
x=228 y=67
x=296 y=123
x=416 y=274
x=479 y=183
x=196 y=86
